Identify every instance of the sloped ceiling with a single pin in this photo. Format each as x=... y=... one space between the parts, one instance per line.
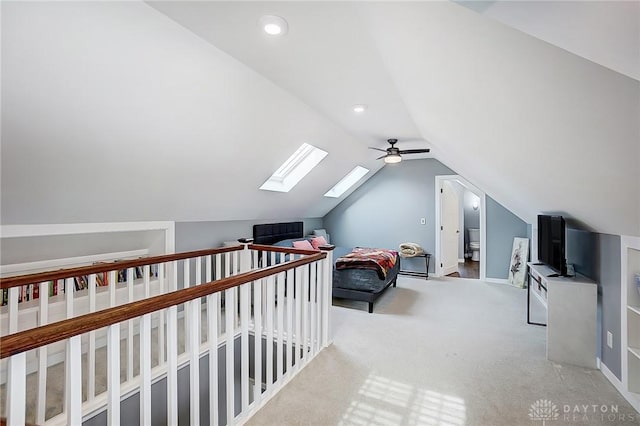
x=206 y=108
x=605 y=32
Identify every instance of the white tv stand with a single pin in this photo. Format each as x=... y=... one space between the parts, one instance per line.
x=571 y=305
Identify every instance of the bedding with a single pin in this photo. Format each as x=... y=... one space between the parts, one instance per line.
x=410 y=250
x=354 y=284
x=379 y=260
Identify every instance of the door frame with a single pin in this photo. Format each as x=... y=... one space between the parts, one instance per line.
x=483 y=221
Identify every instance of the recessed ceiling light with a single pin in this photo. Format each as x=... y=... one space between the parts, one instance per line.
x=274 y=25
x=359 y=109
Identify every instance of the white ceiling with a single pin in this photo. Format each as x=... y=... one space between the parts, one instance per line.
x=605 y=32
x=197 y=86
x=328 y=59
x=487 y=98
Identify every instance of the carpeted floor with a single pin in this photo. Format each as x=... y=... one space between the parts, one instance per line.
x=442 y=352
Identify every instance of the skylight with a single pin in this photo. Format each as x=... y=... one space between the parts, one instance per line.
x=294 y=169
x=347 y=182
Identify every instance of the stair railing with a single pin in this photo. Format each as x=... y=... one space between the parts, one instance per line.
x=263 y=307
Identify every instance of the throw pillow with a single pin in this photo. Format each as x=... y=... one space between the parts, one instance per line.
x=303 y=245
x=318 y=241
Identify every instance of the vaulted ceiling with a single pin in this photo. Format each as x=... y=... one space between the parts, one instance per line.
x=180 y=110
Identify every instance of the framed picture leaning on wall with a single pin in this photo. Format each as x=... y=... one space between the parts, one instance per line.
x=518 y=266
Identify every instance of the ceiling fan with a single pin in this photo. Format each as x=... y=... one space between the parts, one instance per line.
x=393 y=154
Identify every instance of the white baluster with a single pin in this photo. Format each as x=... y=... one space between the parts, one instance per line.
x=16 y=389
x=113 y=372
x=16 y=369
x=305 y=311
x=244 y=346
x=161 y=314
x=227 y=264
x=130 y=325
x=113 y=281
x=193 y=333
x=73 y=385
x=42 y=355
x=230 y=320
x=290 y=303
x=212 y=340
x=186 y=281
x=312 y=308
x=235 y=268
x=145 y=356
x=298 y=317
x=319 y=287
x=172 y=349
x=280 y=323
x=145 y=369
x=218 y=276
x=254 y=259
x=68 y=296
x=327 y=276
x=91 y=354
x=257 y=336
x=269 y=325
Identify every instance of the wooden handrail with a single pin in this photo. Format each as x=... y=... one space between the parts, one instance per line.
x=40 y=277
x=36 y=337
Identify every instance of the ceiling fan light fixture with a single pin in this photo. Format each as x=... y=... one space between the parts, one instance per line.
x=392 y=158
x=274 y=25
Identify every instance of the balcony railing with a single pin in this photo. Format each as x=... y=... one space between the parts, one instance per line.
x=235 y=323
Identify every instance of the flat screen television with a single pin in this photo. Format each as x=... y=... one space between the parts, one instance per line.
x=551 y=242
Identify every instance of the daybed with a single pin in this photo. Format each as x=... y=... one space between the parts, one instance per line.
x=355 y=284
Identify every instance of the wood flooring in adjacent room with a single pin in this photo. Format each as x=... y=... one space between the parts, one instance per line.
x=468 y=269
x=444 y=351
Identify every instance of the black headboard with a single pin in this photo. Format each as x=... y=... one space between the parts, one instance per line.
x=270 y=233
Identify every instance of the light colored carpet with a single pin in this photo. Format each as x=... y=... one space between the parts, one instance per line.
x=445 y=351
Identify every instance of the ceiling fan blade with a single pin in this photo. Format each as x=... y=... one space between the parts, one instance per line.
x=415 y=151
x=378 y=149
x=380 y=158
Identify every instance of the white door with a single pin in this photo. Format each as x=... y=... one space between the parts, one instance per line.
x=449 y=232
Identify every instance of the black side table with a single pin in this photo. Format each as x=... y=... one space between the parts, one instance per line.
x=425 y=274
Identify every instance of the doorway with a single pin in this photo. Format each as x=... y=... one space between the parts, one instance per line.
x=460 y=228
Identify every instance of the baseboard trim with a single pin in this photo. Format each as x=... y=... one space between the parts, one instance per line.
x=497 y=281
x=631 y=399
x=460 y=260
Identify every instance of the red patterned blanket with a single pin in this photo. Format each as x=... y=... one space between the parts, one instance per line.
x=380 y=260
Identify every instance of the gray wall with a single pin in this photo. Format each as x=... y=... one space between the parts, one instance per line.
x=386 y=210
x=32 y=249
x=607 y=274
x=201 y=235
x=502 y=227
x=597 y=256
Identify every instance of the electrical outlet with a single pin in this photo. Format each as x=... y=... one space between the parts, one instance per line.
x=423 y=221
x=610 y=339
